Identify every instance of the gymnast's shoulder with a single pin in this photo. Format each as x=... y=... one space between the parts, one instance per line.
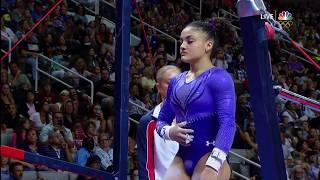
x=220 y=77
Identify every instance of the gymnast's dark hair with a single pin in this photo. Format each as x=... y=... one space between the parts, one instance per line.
x=203 y=26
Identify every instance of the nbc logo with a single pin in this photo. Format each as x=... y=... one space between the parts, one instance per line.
x=285 y=16
x=285 y=19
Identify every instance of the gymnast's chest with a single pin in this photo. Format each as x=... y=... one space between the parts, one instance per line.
x=193 y=97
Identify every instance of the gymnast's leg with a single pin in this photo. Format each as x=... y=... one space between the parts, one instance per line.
x=176 y=170
x=224 y=172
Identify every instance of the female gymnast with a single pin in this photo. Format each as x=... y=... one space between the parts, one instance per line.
x=203 y=102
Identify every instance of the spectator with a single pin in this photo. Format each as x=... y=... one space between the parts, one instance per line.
x=80 y=14
x=78 y=133
x=92 y=162
x=16 y=171
x=141 y=52
x=295 y=66
x=305 y=130
x=17 y=13
x=96 y=116
x=105 y=152
x=282 y=82
x=250 y=137
x=56 y=147
x=313 y=137
x=67 y=110
x=3 y=77
x=135 y=111
x=58 y=22
x=309 y=113
x=21 y=131
x=7 y=164
x=106 y=60
x=147 y=81
x=55 y=108
x=6 y=32
x=317 y=145
x=241 y=73
x=30 y=144
x=37 y=13
x=96 y=74
x=132 y=150
x=57 y=123
x=62 y=51
x=136 y=79
x=64 y=12
x=220 y=60
x=80 y=68
x=29 y=47
x=12 y=118
x=46 y=94
x=16 y=77
x=90 y=131
x=30 y=107
x=101 y=36
x=92 y=59
x=298 y=173
x=303 y=148
x=286 y=147
x=48 y=42
x=105 y=89
x=80 y=101
x=243 y=112
x=110 y=44
x=28 y=17
x=279 y=110
x=85 y=151
x=4 y=165
x=64 y=96
x=45 y=118
x=20 y=93
x=148 y=101
x=6 y=97
x=314 y=169
x=58 y=57
x=290 y=113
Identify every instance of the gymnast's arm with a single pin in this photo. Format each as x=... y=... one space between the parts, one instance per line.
x=222 y=87
x=166 y=114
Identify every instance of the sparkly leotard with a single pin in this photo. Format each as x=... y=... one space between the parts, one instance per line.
x=208 y=105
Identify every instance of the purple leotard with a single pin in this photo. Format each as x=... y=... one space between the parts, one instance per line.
x=208 y=105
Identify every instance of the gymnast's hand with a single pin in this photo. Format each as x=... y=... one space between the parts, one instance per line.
x=181 y=135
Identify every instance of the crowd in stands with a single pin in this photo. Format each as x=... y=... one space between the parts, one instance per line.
x=60 y=122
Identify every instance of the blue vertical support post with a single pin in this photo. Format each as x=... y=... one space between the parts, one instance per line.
x=123 y=10
x=261 y=90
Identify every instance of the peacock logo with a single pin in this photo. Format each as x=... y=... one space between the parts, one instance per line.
x=285 y=16
x=285 y=19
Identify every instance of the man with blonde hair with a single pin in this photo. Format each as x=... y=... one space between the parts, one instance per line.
x=154 y=154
